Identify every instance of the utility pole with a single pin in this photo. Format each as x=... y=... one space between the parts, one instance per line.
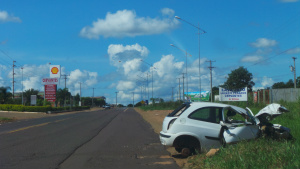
x=116 y=99
x=183 y=86
x=179 y=89
x=132 y=99
x=93 y=97
x=22 y=84
x=13 y=82
x=210 y=68
x=172 y=94
x=65 y=77
x=80 y=93
x=294 y=70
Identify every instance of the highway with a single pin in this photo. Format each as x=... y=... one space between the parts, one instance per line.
x=114 y=138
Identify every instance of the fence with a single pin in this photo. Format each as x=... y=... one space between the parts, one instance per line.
x=275 y=95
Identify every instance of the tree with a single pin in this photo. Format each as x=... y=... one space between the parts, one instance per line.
x=278 y=85
x=288 y=84
x=27 y=95
x=215 y=91
x=62 y=95
x=238 y=79
x=4 y=95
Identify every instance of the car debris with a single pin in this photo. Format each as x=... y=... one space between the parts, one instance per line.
x=198 y=126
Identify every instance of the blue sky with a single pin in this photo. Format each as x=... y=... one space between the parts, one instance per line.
x=101 y=44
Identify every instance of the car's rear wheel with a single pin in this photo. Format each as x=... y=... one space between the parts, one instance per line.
x=185 y=152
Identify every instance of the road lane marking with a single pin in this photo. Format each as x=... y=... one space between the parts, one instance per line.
x=38 y=125
x=25 y=128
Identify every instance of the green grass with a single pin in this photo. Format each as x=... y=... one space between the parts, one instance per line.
x=261 y=152
x=258 y=153
x=5 y=119
x=162 y=106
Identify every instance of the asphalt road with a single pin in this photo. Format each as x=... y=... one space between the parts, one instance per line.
x=115 y=138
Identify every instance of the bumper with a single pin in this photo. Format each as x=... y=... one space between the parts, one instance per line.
x=166 y=139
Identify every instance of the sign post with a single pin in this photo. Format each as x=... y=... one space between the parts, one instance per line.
x=50 y=92
x=233 y=95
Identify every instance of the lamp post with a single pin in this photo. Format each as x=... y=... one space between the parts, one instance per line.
x=203 y=31
x=22 y=84
x=151 y=66
x=186 y=54
x=116 y=99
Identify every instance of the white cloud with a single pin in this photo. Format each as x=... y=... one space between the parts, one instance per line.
x=167 y=65
x=267 y=82
x=125 y=23
x=5 y=17
x=119 y=54
x=168 y=12
x=263 y=43
x=252 y=58
x=125 y=85
x=33 y=83
x=293 y=51
x=87 y=79
x=131 y=65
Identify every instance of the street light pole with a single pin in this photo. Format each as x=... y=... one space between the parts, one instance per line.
x=179 y=89
x=116 y=99
x=132 y=99
x=151 y=66
x=203 y=31
x=22 y=85
x=186 y=54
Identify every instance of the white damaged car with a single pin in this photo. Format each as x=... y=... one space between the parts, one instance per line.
x=199 y=126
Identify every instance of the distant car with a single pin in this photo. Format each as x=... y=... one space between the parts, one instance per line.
x=106 y=106
x=199 y=126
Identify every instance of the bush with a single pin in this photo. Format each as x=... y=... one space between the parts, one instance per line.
x=21 y=108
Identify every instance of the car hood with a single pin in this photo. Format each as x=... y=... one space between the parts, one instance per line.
x=271 y=111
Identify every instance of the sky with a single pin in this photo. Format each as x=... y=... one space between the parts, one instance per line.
x=122 y=49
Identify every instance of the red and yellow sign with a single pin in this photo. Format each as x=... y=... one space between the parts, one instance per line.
x=55 y=71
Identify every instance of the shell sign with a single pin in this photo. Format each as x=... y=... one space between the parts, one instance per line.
x=55 y=71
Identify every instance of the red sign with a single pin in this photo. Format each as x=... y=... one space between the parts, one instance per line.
x=50 y=92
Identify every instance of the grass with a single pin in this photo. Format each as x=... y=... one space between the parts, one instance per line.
x=5 y=119
x=261 y=152
x=162 y=106
x=258 y=153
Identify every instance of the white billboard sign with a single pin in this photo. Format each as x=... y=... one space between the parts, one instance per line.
x=55 y=71
x=233 y=95
x=47 y=81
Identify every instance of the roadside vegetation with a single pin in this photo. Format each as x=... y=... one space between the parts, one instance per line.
x=258 y=153
x=5 y=119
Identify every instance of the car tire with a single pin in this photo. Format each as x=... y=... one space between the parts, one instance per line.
x=185 y=152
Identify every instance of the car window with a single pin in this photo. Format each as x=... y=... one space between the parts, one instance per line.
x=179 y=110
x=231 y=116
x=208 y=114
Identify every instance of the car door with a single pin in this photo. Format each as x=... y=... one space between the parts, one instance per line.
x=205 y=123
x=236 y=127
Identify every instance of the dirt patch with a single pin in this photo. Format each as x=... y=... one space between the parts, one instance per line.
x=155 y=118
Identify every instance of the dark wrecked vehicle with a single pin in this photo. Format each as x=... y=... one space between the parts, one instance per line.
x=199 y=126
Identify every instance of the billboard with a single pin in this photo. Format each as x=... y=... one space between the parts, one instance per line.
x=55 y=71
x=46 y=81
x=50 y=92
x=195 y=96
x=233 y=95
